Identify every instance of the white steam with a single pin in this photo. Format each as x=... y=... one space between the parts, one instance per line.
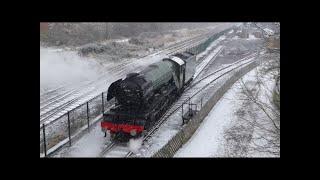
x=135 y=144
x=58 y=67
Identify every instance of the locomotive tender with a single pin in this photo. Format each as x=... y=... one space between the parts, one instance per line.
x=142 y=98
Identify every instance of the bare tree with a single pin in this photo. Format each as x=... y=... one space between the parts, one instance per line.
x=109 y=29
x=257 y=130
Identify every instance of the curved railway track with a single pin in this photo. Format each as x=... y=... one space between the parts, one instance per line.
x=111 y=148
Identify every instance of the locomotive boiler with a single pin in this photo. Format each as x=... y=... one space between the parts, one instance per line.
x=141 y=98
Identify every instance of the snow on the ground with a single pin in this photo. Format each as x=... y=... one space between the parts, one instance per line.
x=135 y=144
x=168 y=129
x=266 y=87
x=204 y=63
x=210 y=47
x=252 y=37
x=235 y=37
x=94 y=137
x=173 y=124
x=121 y=40
x=60 y=66
x=90 y=145
x=63 y=65
x=208 y=139
x=268 y=31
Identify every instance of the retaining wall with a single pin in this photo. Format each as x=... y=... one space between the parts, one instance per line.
x=187 y=131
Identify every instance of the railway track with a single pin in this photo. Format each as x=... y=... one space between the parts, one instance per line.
x=54 y=99
x=173 y=48
x=114 y=150
x=189 y=94
x=196 y=87
x=51 y=105
x=52 y=91
x=57 y=111
x=49 y=96
x=55 y=106
x=170 y=50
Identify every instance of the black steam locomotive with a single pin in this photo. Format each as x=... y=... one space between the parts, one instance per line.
x=141 y=98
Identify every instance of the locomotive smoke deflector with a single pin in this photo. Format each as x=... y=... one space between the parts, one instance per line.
x=113 y=89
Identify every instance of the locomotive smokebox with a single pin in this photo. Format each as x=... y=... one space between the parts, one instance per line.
x=113 y=89
x=130 y=92
x=127 y=92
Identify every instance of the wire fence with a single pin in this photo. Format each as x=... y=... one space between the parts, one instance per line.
x=63 y=128
x=70 y=123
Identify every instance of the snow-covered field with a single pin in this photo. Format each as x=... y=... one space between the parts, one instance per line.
x=63 y=69
x=95 y=135
x=92 y=143
x=207 y=139
x=251 y=37
x=174 y=122
x=63 y=66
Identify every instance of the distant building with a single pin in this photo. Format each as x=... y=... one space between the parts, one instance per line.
x=244 y=34
x=257 y=34
x=273 y=44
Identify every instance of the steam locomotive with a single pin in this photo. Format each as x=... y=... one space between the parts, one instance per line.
x=142 y=98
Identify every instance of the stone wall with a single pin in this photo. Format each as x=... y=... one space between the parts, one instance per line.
x=187 y=131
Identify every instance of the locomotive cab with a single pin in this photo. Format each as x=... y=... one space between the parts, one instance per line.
x=178 y=70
